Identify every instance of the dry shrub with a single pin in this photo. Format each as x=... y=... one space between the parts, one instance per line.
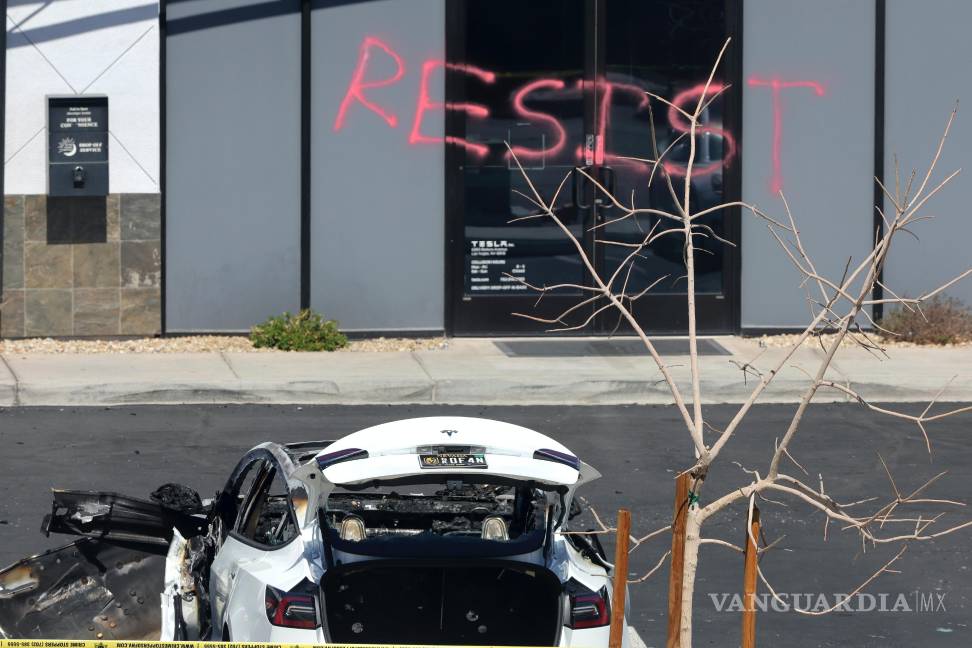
x=941 y=320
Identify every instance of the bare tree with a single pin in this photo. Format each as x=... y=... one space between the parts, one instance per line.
x=839 y=306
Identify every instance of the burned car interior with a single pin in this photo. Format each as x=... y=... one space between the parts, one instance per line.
x=449 y=508
x=456 y=516
x=438 y=525
x=266 y=517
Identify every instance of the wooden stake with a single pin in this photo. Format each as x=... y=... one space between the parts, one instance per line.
x=678 y=560
x=749 y=585
x=620 y=578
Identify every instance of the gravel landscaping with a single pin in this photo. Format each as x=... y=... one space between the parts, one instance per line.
x=241 y=344
x=201 y=344
x=779 y=341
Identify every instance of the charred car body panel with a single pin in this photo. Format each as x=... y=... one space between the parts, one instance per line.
x=106 y=584
x=118 y=518
x=431 y=530
x=88 y=589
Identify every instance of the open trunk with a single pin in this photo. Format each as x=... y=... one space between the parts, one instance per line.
x=411 y=602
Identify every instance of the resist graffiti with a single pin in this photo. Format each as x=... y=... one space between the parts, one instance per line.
x=363 y=94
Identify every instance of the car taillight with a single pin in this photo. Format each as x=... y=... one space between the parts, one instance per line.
x=294 y=609
x=589 y=609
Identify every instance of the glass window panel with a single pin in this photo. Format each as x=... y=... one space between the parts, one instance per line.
x=666 y=48
x=535 y=102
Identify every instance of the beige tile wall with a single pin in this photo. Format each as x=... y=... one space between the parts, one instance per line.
x=104 y=288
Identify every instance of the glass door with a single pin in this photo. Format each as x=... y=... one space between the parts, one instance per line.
x=666 y=48
x=516 y=73
x=560 y=85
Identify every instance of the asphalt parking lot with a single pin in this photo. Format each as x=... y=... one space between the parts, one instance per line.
x=637 y=448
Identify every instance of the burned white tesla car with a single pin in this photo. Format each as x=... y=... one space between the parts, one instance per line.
x=439 y=530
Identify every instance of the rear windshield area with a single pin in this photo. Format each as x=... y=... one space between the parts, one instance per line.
x=447 y=509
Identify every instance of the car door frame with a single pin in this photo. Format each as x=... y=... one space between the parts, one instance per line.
x=236 y=550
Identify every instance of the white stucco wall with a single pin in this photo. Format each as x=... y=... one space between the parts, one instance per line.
x=99 y=47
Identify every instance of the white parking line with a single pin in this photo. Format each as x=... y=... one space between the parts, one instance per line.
x=636 y=640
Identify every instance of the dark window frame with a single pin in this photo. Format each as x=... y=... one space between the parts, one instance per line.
x=261 y=487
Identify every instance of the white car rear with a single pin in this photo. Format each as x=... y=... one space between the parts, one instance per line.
x=439 y=530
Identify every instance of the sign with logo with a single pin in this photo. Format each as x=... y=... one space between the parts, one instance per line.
x=494 y=265
x=72 y=149
x=77 y=151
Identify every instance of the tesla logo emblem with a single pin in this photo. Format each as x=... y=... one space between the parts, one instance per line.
x=449 y=433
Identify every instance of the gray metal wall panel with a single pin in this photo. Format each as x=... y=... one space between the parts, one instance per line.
x=826 y=148
x=232 y=164
x=928 y=54
x=377 y=227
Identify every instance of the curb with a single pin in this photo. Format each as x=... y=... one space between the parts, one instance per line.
x=410 y=392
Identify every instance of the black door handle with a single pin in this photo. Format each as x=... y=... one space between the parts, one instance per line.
x=580 y=186
x=607 y=178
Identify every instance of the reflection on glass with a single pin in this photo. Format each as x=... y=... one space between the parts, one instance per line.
x=666 y=48
x=535 y=103
x=538 y=52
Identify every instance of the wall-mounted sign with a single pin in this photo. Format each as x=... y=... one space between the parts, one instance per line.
x=77 y=152
x=493 y=266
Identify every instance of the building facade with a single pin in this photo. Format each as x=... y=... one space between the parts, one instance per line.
x=199 y=165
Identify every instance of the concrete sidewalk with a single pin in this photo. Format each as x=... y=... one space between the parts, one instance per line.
x=470 y=371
